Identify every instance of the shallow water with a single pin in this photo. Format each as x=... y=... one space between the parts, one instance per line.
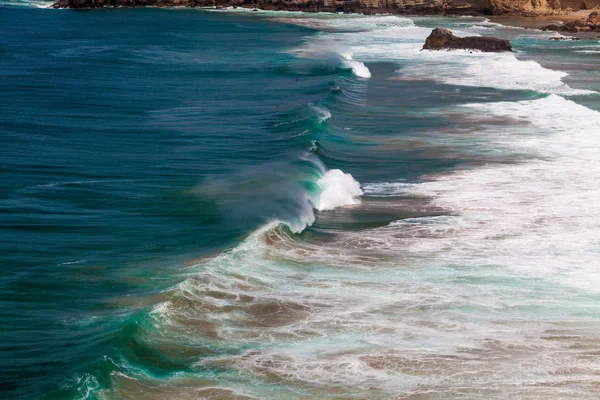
x=266 y=205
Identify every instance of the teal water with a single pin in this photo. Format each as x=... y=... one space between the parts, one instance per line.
x=234 y=204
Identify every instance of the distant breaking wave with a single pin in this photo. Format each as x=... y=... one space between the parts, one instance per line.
x=328 y=57
x=359 y=69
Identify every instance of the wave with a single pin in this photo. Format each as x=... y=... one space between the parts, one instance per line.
x=359 y=69
x=323 y=114
x=304 y=119
x=337 y=189
x=328 y=56
x=286 y=192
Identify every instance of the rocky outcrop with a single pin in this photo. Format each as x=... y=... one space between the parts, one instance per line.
x=443 y=39
x=591 y=24
x=594 y=18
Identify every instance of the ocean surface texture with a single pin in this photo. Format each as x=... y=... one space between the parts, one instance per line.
x=226 y=204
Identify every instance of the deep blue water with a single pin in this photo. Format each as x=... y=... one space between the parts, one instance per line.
x=148 y=155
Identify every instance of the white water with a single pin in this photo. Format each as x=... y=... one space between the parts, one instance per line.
x=497 y=298
x=542 y=212
x=501 y=71
x=394 y=38
x=28 y=3
x=337 y=189
x=359 y=69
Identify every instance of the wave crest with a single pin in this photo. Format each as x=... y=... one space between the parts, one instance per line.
x=359 y=69
x=338 y=189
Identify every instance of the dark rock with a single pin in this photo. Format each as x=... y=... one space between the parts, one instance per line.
x=575 y=26
x=591 y=24
x=443 y=39
x=594 y=18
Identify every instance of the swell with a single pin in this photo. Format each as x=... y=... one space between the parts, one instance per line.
x=428 y=304
x=224 y=300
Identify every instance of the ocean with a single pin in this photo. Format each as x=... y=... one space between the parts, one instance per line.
x=227 y=204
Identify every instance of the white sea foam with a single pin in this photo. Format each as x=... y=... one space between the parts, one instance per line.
x=387 y=189
x=28 y=3
x=397 y=39
x=347 y=23
x=421 y=330
x=543 y=212
x=497 y=70
x=337 y=189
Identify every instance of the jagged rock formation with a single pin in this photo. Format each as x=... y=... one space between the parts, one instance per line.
x=443 y=39
x=591 y=24
x=469 y=7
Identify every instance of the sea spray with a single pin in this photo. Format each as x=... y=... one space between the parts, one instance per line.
x=287 y=192
x=337 y=189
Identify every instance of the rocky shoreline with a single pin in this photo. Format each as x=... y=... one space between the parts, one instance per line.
x=534 y=14
x=591 y=24
x=415 y=7
x=375 y=7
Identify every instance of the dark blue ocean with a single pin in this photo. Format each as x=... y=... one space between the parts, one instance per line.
x=204 y=204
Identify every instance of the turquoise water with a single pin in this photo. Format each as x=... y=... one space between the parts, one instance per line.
x=234 y=204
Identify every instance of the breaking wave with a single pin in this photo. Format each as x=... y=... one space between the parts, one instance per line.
x=454 y=281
